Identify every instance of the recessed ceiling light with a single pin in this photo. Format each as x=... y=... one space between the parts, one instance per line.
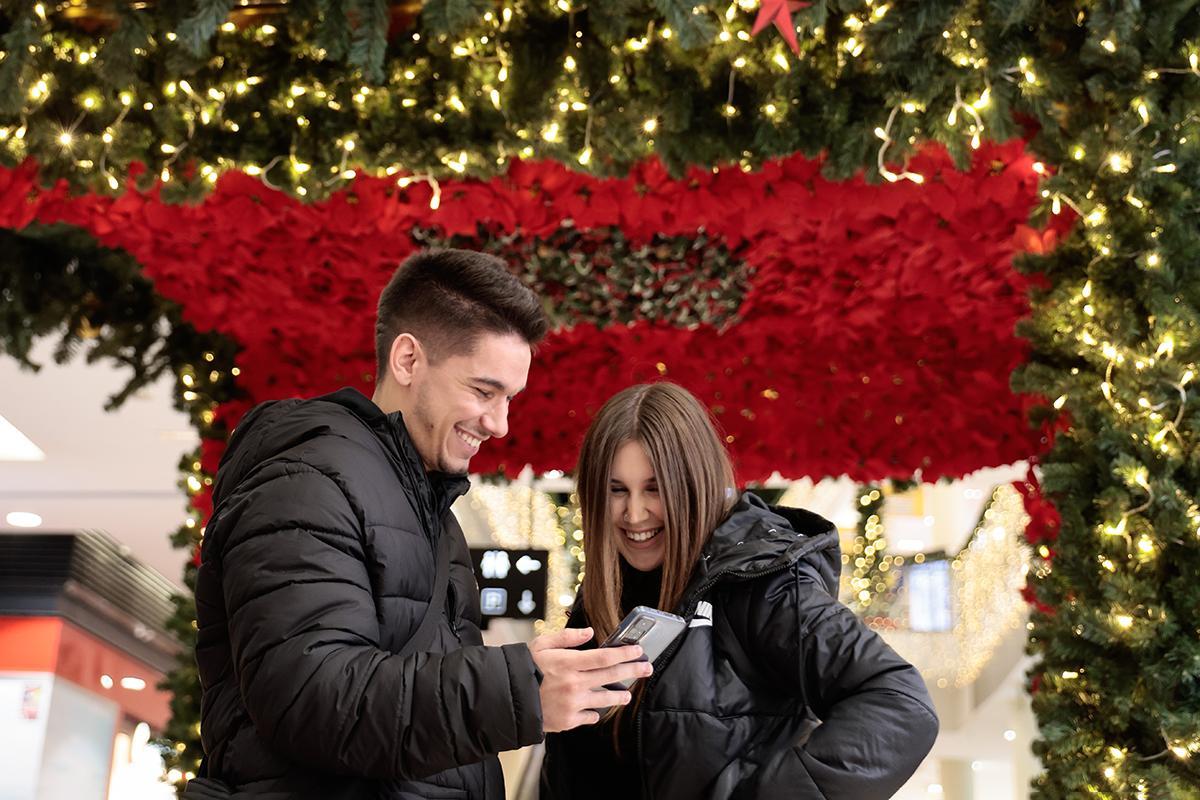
x=133 y=684
x=23 y=519
x=16 y=446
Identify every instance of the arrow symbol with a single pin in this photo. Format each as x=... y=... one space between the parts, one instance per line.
x=526 y=565
x=526 y=604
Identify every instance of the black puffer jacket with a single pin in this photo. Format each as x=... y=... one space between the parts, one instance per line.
x=316 y=569
x=784 y=695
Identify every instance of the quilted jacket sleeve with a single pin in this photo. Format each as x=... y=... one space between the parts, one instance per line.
x=877 y=721
x=305 y=641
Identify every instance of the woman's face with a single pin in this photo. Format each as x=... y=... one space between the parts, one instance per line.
x=635 y=508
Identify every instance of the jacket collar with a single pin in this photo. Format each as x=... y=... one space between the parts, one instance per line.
x=757 y=539
x=435 y=492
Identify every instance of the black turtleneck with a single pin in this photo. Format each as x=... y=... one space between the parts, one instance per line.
x=611 y=773
x=639 y=588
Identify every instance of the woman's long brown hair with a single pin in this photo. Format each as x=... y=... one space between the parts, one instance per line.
x=695 y=483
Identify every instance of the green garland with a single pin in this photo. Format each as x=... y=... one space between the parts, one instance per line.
x=873 y=573
x=1116 y=684
x=1109 y=90
x=97 y=300
x=311 y=95
x=871 y=576
x=598 y=275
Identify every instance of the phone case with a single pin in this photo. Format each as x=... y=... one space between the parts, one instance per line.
x=654 y=630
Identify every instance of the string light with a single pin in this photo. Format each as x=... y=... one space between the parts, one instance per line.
x=871 y=577
x=986 y=580
x=884 y=133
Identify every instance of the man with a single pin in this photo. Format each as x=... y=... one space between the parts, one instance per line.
x=320 y=561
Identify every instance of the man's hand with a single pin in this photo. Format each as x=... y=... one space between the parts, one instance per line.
x=573 y=680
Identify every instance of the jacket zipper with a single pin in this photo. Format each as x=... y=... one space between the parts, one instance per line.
x=666 y=657
x=451 y=600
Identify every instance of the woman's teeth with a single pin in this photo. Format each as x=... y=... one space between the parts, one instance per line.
x=643 y=536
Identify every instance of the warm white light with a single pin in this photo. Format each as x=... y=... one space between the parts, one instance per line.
x=133 y=684
x=141 y=736
x=16 y=446
x=23 y=519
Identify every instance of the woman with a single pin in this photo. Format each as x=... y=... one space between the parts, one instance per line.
x=775 y=689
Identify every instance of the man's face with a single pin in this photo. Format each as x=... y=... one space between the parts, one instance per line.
x=463 y=400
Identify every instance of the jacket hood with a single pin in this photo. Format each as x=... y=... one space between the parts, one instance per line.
x=274 y=428
x=757 y=539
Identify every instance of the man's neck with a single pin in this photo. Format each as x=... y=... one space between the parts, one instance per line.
x=388 y=399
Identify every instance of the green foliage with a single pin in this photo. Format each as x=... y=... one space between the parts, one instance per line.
x=1114 y=334
x=872 y=576
x=598 y=276
x=56 y=281
x=447 y=17
x=369 y=38
x=474 y=85
x=196 y=29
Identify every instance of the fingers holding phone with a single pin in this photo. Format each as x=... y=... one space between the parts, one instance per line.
x=573 y=681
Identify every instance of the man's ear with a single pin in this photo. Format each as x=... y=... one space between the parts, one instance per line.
x=406 y=358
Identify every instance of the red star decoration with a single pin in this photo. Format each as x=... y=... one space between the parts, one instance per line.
x=779 y=12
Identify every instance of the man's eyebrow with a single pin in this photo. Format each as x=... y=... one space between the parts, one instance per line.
x=498 y=385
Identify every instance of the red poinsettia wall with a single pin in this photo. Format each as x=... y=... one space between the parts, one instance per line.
x=874 y=336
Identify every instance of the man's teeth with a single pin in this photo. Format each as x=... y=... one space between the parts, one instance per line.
x=468 y=438
x=643 y=536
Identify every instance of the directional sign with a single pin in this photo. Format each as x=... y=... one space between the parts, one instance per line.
x=526 y=565
x=512 y=583
x=494 y=564
x=526 y=604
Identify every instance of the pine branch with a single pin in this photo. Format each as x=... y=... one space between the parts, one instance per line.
x=117 y=59
x=453 y=17
x=693 y=27
x=369 y=39
x=333 y=29
x=207 y=15
x=16 y=46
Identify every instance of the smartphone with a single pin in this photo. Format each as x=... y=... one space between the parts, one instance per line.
x=650 y=628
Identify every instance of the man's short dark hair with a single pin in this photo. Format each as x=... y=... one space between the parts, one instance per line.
x=447 y=298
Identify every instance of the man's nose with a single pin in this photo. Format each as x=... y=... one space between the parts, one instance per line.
x=495 y=422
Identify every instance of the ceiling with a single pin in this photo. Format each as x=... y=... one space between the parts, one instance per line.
x=113 y=471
